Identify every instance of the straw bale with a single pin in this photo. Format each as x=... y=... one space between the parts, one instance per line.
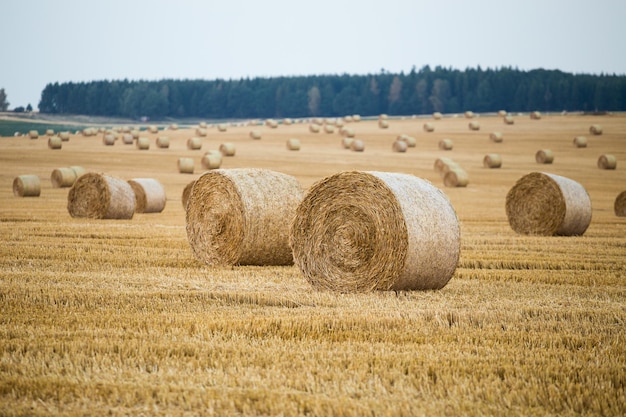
x=437 y=115
x=212 y=160
x=100 y=196
x=339 y=123
x=173 y=126
x=441 y=165
x=544 y=156
x=287 y=121
x=108 y=139
x=508 y=119
x=222 y=127
x=365 y=231
x=473 y=125
x=429 y=127
x=65 y=136
x=410 y=140
x=127 y=138
x=348 y=119
x=580 y=141
x=535 y=115
x=242 y=216
x=595 y=129
x=135 y=133
x=26 y=186
x=469 y=114
x=64 y=177
x=347 y=132
x=143 y=144
x=383 y=123
x=502 y=113
x=49 y=132
x=346 y=142
x=399 y=146
x=620 y=204
x=455 y=177
x=227 y=149
x=271 y=123
x=33 y=134
x=149 y=195
x=329 y=128
x=78 y=170
x=255 y=134
x=356 y=118
x=202 y=125
x=383 y=117
x=496 y=137
x=185 y=165
x=55 y=142
x=357 y=145
x=492 y=160
x=163 y=142
x=186 y=193
x=293 y=144
x=446 y=144
x=607 y=161
x=201 y=131
x=314 y=128
x=194 y=143
x=547 y=204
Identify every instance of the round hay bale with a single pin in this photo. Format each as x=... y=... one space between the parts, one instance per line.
x=227 y=149
x=595 y=129
x=429 y=127
x=399 y=146
x=535 y=115
x=49 y=132
x=143 y=144
x=314 y=128
x=437 y=115
x=496 y=137
x=366 y=231
x=78 y=171
x=222 y=127
x=149 y=195
x=26 y=186
x=356 y=118
x=548 y=204
x=544 y=156
x=455 y=177
x=492 y=160
x=55 y=142
x=346 y=142
x=357 y=145
x=127 y=138
x=255 y=134
x=469 y=114
x=383 y=123
x=194 y=143
x=173 y=126
x=383 y=117
x=287 y=121
x=186 y=193
x=348 y=132
x=153 y=129
x=502 y=113
x=329 y=129
x=212 y=160
x=620 y=204
x=446 y=144
x=410 y=140
x=201 y=131
x=135 y=133
x=442 y=163
x=202 y=125
x=473 y=125
x=108 y=139
x=271 y=123
x=65 y=136
x=348 y=119
x=607 y=161
x=33 y=134
x=293 y=144
x=508 y=120
x=185 y=165
x=580 y=142
x=100 y=196
x=242 y=217
x=63 y=177
x=163 y=142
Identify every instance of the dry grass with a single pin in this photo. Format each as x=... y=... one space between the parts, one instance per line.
x=117 y=317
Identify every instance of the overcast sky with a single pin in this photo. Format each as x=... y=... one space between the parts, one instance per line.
x=46 y=41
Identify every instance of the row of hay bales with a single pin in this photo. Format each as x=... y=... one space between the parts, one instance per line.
x=30 y=185
x=605 y=161
x=210 y=160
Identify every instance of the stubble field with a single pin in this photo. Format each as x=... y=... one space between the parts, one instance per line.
x=117 y=317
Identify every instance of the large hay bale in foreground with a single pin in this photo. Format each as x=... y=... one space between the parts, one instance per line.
x=620 y=204
x=242 y=217
x=27 y=186
x=149 y=195
x=544 y=156
x=547 y=204
x=580 y=142
x=492 y=160
x=364 y=231
x=607 y=161
x=100 y=196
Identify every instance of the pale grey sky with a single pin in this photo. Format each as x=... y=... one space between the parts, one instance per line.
x=45 y=41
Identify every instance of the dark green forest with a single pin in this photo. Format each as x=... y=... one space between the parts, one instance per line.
x=422 y=91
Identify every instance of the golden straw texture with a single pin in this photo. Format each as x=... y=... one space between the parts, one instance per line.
x=26 y=186
x=186 y=193
x=547 y=204
x=63 y=177
x=149 y=195
x=364 y=231
x=620 y=204
x=242 y=216
x=100 y=196
x=212 y=160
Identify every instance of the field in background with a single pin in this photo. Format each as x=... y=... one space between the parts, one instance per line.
x=118 y=317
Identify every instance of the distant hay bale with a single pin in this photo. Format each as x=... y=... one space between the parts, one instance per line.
x=469 y=114
x=620 y=204
x=78 y=170
x=149 y=195
x=66 y=176
x=153 y=129
x=65 y=136
x=547 y=204
x=163 y=142
x=383 y=124
x=544 y=156
x=33 y=134
x=456 y=177
x=348 y=132
x=502 y=113
x=446 y=144
x=508 y=119
x=429 y=127
x=194 y=143
x=202 y=125
x=49 y=132
x=492 y=160
x=108 y=139
x=535 y=115
x=383 y=117
x=437 y=115
x=595 y=129
x=411 y=142
x=227 y=149
x=173 y=126
x=443 y=164
x=186 y=193
x=580 y=141
x=90 y=131
x=287 y=121
x=55 y=142
x=255 y=134
x=143 y=144
x=348 y=119
x=100 y=196
x=201 y=131
x=26 y=186
x=135 y=133
x=367 y=231
x=185 y=165
x=607 y=161
x=314 y=128
x=329 y=129
x=339 y=123
x=222 y=127
x=346 y=142
x=357 y=145
x=293 y=144
x=127 y=139
x=473 y=125
x=399 y=146
x=242 y=217
x=212 y=160
x=356 y=118
x=271 y=123
x=496 y=137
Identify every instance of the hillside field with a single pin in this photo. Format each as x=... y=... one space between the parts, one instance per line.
x=117 y=317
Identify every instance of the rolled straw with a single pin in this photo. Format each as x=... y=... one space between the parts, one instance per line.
x=149 y=195
x=100 y=196
x=26 y=186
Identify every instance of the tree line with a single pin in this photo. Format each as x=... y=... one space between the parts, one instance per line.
x=422 y=91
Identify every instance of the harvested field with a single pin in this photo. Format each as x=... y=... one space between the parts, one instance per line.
x=118 y=317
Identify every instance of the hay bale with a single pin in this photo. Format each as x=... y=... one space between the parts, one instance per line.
x=544 y=156
x=108 y=139
x=135 y=133
x=201 y=131
x=100 y=196
x=55 y=142
x=212 y=160
x=49 y=132
x=580 y=141
x=502 y=113
x=329 y=129
x=547 y=204
x=153 y=129
x=446 y=144
x=535 y=115
x=455 y=177
x=33 y=134
x=222 y=127
x=173 y=126
x=242 y=217
x=492 y=160
x=293 y=144
x=194 y=143
x=356 y=118
x=595 y=129
x=149 y=195
x=508 y=120
x=383 y=117
x=227 y=149
x=473 y=125
x=143 y=144
x=607 y=161
x=496 y=137
x=127 y=138
x=383 y=123
x=437 y=115
x=202 y=125
x=185 y=165
x=442 y=165
x=78 y=170
x=357 y=145
x=347 y=132
x=65 y=136
x=410 y=140
x=399 y=146
x=186 y=193
x=271 y=123
x=346 y=142
x=314 y=128
x=365 y=231
x=429 y=127
x=287 y=121
x=163 y=142
x=64 y=177
x=620 y=204
x=255 y=134
x=469 y=114
x=26 y=186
